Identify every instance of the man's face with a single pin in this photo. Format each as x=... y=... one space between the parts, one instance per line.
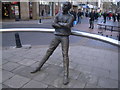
x=65 y=7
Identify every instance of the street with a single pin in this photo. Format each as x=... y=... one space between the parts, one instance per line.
x=35 y=38
x=32 y=38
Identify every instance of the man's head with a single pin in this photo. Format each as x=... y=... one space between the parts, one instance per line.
x=66 y=6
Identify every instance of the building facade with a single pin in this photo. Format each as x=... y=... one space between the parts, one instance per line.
x=28 y=10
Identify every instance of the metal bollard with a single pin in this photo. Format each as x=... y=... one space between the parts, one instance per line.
x=40 y=20
x=18 y=42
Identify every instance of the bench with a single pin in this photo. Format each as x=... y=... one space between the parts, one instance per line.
x=111 y=29
x=108 y=25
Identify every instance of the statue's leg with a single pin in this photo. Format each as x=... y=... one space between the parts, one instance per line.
x=65 y=48
x=53 y=45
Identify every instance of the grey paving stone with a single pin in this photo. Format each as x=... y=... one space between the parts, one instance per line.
x=0 y=76
x=36 y=64
x=58 y=82
x=41 y=76
x=30 y=56
x=93 y=80
x=101 y=72
x=51 y=87
x=72 y=65
x=4 y=86
x=84 y=68
x=0 y=67
x=10 y=66
x=35 y=84
x=4 y=61
x=18 y=69
x=27 y=62
x=114 y=74
x=20 y=52
x=107 y=83
x=91 y=86
x=25 y=71
x=53 y=69
x=6 y=55
x=55 y=60
x=16 y=81
x=73 y=74
x=49 y=79
x=15 y=58
x=0 y=86
x=84 y=77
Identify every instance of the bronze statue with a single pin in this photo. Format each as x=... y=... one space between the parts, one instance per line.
x=62 y=24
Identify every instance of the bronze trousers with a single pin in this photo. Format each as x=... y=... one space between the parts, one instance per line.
x=64 y=40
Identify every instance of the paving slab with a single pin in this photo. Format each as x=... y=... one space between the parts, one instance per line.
x=108 y=83
x=41 y=76
x=89 y=69
x=15 y=58
x=101 y=72
x=74 y=84
x=35 y=84
x=16 y=81
x=27 y=62
x=25 y=72
x=10 y=66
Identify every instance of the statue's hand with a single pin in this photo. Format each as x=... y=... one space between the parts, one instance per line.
x=56 y=25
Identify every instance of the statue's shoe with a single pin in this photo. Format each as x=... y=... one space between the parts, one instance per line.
x=65 y=80
x=36 y=70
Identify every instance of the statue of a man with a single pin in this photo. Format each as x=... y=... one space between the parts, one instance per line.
x=62 y=24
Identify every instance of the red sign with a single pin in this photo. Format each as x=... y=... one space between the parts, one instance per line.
x=14 y=2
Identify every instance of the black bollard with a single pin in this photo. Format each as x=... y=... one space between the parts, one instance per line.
x=40 y=20
x=17 y=39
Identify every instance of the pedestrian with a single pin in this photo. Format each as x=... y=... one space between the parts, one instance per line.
x=104 y=17
x=118 y=17
x=91 y=19
x=79 y=15
x=86 y=14
x=42 y=12
x=62 y=25
x=96 y=15
x=114 y=17
x=74 y=14
x=110 y=15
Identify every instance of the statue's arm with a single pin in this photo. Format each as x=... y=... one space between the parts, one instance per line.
x=68 y=24
x=55 y=23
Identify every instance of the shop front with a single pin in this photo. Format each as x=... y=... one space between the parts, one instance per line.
x=10 y=10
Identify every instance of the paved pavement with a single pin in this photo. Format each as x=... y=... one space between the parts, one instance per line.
x=91 y=66
x=84 y=26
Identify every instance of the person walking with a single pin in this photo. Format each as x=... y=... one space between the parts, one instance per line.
x=91 y=19
x=104 y=17
x=62 y=24
x=72 y=12
x=114 y=17
x=79 y=15
x=118 y=17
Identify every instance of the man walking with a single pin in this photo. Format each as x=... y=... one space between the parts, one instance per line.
x=62 y=25
x=104 y=17
x=79 y=15
x=91 y=19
